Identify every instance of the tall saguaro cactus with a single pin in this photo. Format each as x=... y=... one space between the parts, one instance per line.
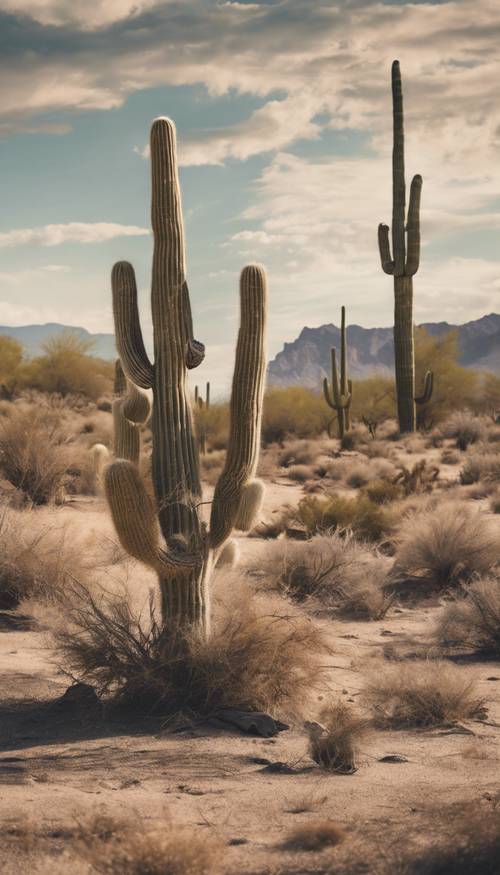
x=131 y=408
x=404 y=261
x=172 y=538
x=340 y=396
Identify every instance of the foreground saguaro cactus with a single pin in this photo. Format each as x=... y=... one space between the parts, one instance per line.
x=131 y=409
x=340 y=397
x=403 y=264
x=172 y=538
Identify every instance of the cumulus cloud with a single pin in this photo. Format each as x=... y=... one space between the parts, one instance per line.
x=72 y=232
x=81 y=13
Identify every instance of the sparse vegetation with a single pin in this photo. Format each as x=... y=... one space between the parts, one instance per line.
x=367 y=520
x=315 y=836
x=465 y=428
x=472 y=620
x=333 y=744
x=420 y=693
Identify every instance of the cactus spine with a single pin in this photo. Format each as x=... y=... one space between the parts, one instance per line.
x=340 y=396
x=403 y=263
x=131 y=409
x=172 y=538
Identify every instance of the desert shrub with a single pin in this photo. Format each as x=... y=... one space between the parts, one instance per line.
x=450 y=457
x=333 y=743
x=256 y=658
x=383 y=491
x=455 y=387
x=421 y=693
x=34 y=455
x=11 y=356
x=124 y=846
x=66 y=367
x=367 y=520
x=480 y=466
x=298 y=452
x=37 y=559
x=418 y=479
x=294 y=411
x=374 y=398
x=471 y=846
x=465 y=428
x=300 y=473
x=442 y=547
x=104 y=405
x=315 y=836
x=358 y=476
x=473 y=620
x=214 y=423
x=495 y=502
x=329 y=572
x=333 y=469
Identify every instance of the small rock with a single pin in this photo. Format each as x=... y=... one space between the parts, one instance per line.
x=256 y=723
x=79 y=697
x=493 y=678
x=238 y=841
x=393 y=758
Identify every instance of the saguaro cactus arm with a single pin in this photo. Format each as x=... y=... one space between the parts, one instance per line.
x=385 y=249
x=128 y=332
x=426 y=395
x=413 y=227
x=246 y=405
x=131 y=408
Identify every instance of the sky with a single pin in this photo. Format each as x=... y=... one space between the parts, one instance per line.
x=284 y=121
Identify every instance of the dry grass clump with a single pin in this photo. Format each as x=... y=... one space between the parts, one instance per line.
x=481 y=466
x=445 y=546
x=129 y=846
x=465 y=428
x=358 y=476
x=473 y=621
x=298 y=452
x=383 y=491
x=300 y=473
x=315 y=836
x=472 y=847
x=34 y=455
x=330 y=573
x=37 y=559
x=256 y=658
x=333 y=744
x=421 y=694
x=367 y=520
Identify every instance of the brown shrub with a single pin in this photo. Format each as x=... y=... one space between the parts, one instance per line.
x=300 y=473
x=473 y=620
x=298 y=453
x=34 y=455
x=130 y=847
x=329 y=572
x=465 y=428
x=445 y=546
x=360 y=515
x=315 y=836
x=334 y=746
x=481 y=466
x=257 y=657
x=471 y=846
x=421 y=693
x=212 y=464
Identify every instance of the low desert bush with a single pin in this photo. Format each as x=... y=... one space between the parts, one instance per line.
x=450 y=457
x=473 y=620
x=481 y=466
x=383 y=491
x=130 y=846
x=445 y=546
x=212 y=464
x=471 y=846
x=37 y=559
x=330 y=573
x=421 y=693
x=465 y=428
x=333 y=743
x=315 y=836
x=367 y=520
x=297 y=452
x=358 y=476
x=34 y=455
x=258 y=657
x=294 y=411
x=300 y=473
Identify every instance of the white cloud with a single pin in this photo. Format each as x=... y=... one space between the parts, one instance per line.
x=86 y=15
x=79 y=232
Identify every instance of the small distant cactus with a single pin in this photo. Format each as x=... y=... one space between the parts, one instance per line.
x=99 y=458
x=403 y=265
x=131 y=409
x=340 y=396
x=172 y=537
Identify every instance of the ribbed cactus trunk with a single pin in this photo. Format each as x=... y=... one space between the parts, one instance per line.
x=131 y=409
x=172 y=538
x=403 y=263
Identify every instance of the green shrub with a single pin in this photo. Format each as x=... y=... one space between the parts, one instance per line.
x=360 y=515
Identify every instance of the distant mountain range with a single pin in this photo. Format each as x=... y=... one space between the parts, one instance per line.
x=306 y=360
x=32 y=337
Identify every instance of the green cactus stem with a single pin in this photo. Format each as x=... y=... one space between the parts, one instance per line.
x=404 y=261
x=202 y=404
x=171 y=537
x=340 y=396
x=131 y=408
x=428 y=388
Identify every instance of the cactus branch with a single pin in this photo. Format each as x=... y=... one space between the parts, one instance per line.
x=246 y=405
x=128 y=332
x=385 y=249
x=426 y=395
x=413 y=227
